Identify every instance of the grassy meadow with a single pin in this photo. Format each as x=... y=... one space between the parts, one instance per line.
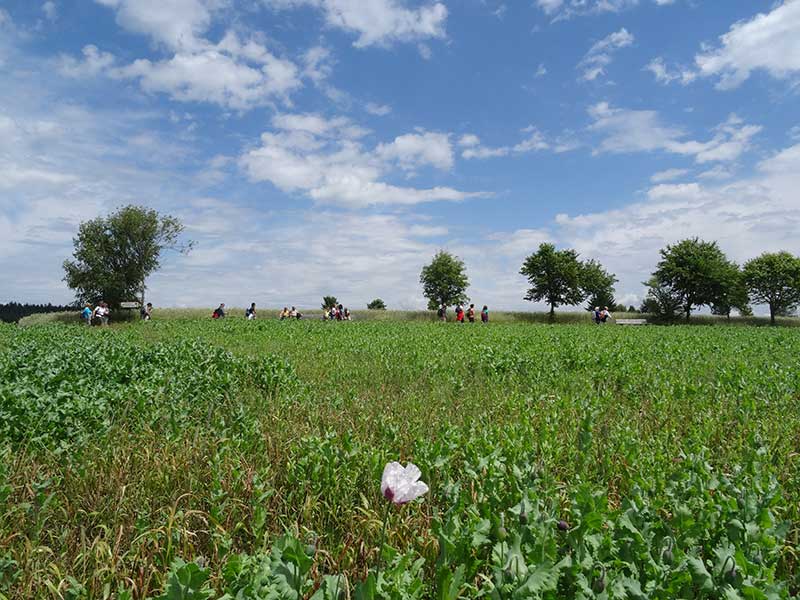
x=190 y=458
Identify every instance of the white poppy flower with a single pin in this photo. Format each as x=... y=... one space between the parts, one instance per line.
x=401 y=484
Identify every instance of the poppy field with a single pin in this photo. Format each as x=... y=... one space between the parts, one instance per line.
x=197 y=459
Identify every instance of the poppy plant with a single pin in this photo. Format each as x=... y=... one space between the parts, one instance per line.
x=401 y=484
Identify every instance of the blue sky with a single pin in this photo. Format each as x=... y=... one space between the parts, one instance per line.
x=332 y=146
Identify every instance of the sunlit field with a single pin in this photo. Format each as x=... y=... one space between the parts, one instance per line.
x=191 y=458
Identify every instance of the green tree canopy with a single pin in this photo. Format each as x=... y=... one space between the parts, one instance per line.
x=662 y=302
x=774 y=279
x=329 y=302
x=376 y=304
x=444 y=281
x=733 y=295
x=115 y=255
x=697 y=271
x=555 y=277
x=598 y=285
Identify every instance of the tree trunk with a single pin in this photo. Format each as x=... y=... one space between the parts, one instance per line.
x=552 y=312
x=688 y=310
x=772 y=314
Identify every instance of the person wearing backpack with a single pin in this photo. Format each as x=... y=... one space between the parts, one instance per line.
x=471 y=313
x=442 y=313
x=485 y=314
x=219 y=312
x=459 y=314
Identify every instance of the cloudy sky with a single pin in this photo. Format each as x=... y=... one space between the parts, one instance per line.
x=332 y=146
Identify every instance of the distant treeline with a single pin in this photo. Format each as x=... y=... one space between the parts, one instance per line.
x=14 y=311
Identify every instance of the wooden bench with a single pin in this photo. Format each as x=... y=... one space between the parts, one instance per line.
x=631 y=321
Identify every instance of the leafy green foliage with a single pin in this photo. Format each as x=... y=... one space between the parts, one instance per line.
x=697 y=273
x=114 y=255
x=329 y=302
x=444 y=281
x=376 y=304
x=556 y=277
x=774 y=279
x=200 y=459
x=598 y=285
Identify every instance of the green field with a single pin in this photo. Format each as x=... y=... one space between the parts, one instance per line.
x=202 y=459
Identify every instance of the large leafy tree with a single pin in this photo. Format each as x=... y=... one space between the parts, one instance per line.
x=444 y=281
x=555 y=277
x=697 y=271
x=733 y=295
x=598 y=285
x=774 y=279
x=115 y=255
x=329 y=302
x=662 y=302
x=376 y=304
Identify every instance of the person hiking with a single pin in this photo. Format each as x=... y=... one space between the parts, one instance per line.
x=485 y=314
x=250 y=313
x=605 y=315
x=597 y=315
x=219 y=312
x=459 y=314
x=87 y=313
x=147 y=311
x=284 y=314
x=471 y=313
x=442 y=313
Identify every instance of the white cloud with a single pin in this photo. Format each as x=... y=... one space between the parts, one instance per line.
x=665 y=75
x=177 y=24
x=541 y=71
x=768 y=41
x=377 y=22
x=216 y=77
x=419 y=149
x=600 y=55
x=747 y=217
x=93 y=63
x=234 y=73
x=379 y=110
x=534 y=141
x=324 y=159
x=50 y=10
x=668 y=175
x=626 y=131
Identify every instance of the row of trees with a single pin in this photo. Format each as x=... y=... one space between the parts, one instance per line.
x=14 y=311
x=114 y=255
x=695 y=273
x=691 y=274
x=557 y=277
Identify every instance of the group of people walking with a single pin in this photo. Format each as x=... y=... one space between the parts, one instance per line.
x=336 y=313
x=462 y=315
x=601 y=316
x=101 y=314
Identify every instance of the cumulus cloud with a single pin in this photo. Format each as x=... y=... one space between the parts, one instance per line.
x=534 y=141
x=325 y=159
x=746 y=217
x=377 y=22
x=624 y=131
x=769 y=41
x=236 y=72
x=93 y=63
x=379 y=110
x=601 y=54
x=668 y=175
x=665 y=74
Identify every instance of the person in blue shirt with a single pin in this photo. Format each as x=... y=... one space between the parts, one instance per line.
x=86 y=315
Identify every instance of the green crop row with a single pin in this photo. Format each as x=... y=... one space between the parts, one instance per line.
x=200 y=459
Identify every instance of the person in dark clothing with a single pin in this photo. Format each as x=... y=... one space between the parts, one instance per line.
x=219 y=312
